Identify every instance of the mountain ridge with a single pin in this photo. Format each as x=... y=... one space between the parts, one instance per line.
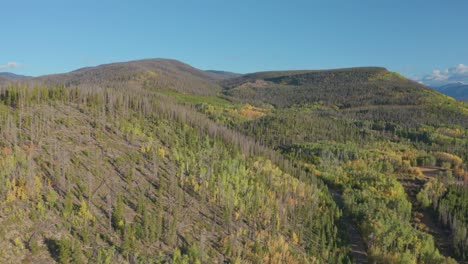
x=146 y=73
x=9 y=76
x=345 y=87
x=223 y=74
x=456 y=90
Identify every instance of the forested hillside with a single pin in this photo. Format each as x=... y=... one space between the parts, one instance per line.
x=102 y=176
x=344 y=88
x=150 y=74
x=157 y=162
x=373 y=137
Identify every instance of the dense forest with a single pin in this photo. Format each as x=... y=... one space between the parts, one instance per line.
x=157 y=162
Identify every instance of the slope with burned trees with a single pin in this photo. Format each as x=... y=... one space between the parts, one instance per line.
x=155 y=161
x=108 y=176
x=150 y=73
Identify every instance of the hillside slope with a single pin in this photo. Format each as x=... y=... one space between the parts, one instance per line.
x=368 y=133
x=113 y=169
x=108 y=176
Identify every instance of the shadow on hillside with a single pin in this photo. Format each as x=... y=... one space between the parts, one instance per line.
x=53 y=247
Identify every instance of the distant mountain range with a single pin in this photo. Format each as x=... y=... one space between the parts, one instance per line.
x=8 y=76
x=223 y=74
x=456 y=90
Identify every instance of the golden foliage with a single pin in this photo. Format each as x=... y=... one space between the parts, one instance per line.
x=17 y=191
x=278 y=252
x=451 y=158
x=161 y=152
x=415 y=171
x=252 y=112
x=84 y=212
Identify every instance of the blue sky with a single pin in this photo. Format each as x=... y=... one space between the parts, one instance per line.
x=412 y=37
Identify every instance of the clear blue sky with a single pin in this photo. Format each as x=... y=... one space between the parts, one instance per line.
x=409 y=36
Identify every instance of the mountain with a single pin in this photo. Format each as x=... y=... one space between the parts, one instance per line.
x=223 y=74
x=368 y=93
x=163 y=74
x=455 y=90
x=154 y=161
x=343 y=87
x=8 y=76
x=12 y=76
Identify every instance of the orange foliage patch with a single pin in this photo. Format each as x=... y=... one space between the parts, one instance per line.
x=6 y=151
x=252 y=111
x=292 y=201
x=28 y=147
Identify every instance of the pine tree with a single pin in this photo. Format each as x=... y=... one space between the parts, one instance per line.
x=118 y=220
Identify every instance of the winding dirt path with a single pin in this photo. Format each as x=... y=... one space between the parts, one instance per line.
x=426 y=218
x=358 y=247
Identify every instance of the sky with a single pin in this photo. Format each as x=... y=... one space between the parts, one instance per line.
x=424 y=40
